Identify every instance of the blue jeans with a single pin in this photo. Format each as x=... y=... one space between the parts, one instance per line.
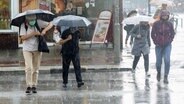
x=163 y=52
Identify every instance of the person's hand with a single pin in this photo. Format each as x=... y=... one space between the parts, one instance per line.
x=57 y=43
x=43 y=32
x=36 y=33
x=69 y=37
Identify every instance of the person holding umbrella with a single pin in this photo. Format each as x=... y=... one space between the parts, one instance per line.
x=158 y=11
x=30 y=23
x=128 y=27
x=70 y=36
x=141 y=45
x=29 y=32
x=70 y=52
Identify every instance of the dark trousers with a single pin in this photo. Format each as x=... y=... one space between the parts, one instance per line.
x=146 y=62
x=127 y=37
x=66 y=64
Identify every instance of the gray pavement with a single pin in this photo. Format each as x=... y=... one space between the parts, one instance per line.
x=106 y=82
x=105 y=87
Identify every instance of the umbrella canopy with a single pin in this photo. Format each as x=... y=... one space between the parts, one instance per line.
x=160 y=2
x=40 y=14
x=132 y=13
x=71 y=21
x=136 y=19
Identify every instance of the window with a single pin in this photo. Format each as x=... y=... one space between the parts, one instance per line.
x=55 y=6
x=5 y=14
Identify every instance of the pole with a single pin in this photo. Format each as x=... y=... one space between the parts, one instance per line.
x=149 y=7
x=116 y=32
x=120 y=20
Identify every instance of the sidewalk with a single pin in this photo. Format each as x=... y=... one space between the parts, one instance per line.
x=97 y=58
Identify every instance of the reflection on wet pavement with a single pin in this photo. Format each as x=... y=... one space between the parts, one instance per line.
x=100 y=88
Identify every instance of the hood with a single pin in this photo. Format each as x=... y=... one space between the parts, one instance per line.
x=164 y=13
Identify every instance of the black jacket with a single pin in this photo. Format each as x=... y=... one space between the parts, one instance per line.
x=72 y=46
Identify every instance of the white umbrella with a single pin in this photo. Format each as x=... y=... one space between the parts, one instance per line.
x=71 y=21
x=160 y=2
x=136 y=19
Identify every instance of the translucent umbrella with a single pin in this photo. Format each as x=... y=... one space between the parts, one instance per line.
x=160 y=2
x=136 y=19
x=71 y=21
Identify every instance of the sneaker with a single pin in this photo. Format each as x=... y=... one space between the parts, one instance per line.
x=28 y=90
x=166 y=81
x=34 y=90
x=147 y=74
x=133 y=71
x=80 y=84
x=64 y=85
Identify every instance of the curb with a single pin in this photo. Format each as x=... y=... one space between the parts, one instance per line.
x=58 y=69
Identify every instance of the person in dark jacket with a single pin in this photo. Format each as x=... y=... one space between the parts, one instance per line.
x=70 y=52
x=128 y=28
x=162 y=35
x=141 y=45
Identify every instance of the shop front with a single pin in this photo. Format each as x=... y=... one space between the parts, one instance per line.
x=8 y=35
x=87 y=8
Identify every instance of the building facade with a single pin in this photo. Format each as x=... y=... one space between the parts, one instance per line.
x=10 y=8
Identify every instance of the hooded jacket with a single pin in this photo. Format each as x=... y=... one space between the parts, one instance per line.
x=162 y=32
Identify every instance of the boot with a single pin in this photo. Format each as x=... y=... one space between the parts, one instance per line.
x=158 y=76
x=166 y=79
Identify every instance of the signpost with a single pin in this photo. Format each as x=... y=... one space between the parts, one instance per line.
x=102 y=27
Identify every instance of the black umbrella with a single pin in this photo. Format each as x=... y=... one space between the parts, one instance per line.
x=133 y=12
x=40 y=14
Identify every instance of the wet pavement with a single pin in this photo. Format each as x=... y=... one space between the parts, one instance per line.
x=104 y=87
x=107 y=83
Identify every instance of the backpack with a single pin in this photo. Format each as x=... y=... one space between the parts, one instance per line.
x=42 y=44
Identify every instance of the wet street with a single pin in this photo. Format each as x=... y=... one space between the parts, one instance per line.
x=102 y=87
